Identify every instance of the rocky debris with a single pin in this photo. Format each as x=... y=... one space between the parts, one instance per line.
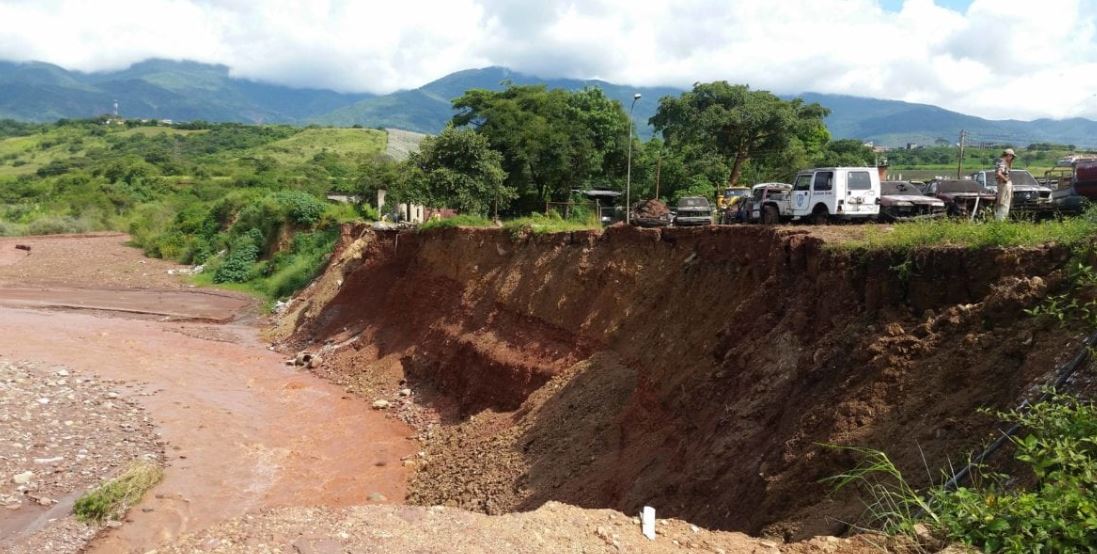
x=62 y=433
x=193 y=270
x=650 y=209
x=554 y=527
x=380 y=404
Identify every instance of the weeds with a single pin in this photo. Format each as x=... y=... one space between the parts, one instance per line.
x=1057 y=512
x=894 y=506
x=457 y=221
x=550 y=223
x=111 y=499
x=1076 y=304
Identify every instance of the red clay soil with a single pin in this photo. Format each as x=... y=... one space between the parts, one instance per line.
x=699 y=371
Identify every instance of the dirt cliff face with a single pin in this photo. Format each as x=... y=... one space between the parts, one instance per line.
x=699 y=371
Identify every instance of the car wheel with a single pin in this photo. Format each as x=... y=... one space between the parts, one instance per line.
x=819 y=216
x=770 y=216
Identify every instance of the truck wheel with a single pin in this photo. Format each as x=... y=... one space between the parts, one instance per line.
x=770 y=216
x=819 y=215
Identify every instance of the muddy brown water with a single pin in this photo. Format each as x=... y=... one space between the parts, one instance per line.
x=243 y=431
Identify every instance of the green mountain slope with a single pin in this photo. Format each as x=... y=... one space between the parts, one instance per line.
x=159 y=89
x=183 y=91
x=428 y=108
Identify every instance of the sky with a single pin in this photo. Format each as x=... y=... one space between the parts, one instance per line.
x=998 y=59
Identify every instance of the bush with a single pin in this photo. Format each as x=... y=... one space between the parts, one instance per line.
x=1059 y=512
x=302 y=208
x=1056 y=513
x=243 y=254
x=57 y=225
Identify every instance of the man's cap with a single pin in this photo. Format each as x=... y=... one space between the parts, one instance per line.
x=1008 y=152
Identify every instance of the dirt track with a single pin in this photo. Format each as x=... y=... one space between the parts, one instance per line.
x=243 y=431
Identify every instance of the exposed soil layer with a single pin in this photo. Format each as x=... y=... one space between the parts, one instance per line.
x=695 y=370
x=552 y=528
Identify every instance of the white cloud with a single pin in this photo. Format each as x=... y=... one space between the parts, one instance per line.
x=998 y=58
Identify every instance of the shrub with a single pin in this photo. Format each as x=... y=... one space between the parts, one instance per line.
x=241 y=257
x=57 y=225
x=301 y=207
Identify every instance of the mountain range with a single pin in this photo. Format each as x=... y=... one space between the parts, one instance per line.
x=185 y=90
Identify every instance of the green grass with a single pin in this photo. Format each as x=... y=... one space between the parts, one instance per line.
x=457 y=221
x=903 y=237
x=303 y=146
x=551 y=223
x=111 y=499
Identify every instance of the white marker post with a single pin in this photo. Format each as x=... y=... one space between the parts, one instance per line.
x=647 y=522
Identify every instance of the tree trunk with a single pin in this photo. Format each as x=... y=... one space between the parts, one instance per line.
x=741 y=157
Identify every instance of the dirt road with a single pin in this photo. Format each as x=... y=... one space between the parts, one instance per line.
x=243 y=431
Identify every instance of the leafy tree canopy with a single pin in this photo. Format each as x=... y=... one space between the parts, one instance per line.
x=551 y=141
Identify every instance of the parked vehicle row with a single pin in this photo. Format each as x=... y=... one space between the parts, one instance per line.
x=831 y=194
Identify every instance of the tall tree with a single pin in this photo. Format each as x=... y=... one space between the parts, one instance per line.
x=737 y=123
x=552 y=141
x=456 y=169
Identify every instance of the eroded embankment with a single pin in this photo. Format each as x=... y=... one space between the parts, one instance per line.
x=698 y=371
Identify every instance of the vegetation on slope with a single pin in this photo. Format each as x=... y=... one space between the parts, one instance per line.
x=245 y=201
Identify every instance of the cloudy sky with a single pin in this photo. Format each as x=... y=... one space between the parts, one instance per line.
x=994 y=58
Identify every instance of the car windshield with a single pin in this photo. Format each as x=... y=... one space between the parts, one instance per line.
x=693 y=202
x=898 y=187
x=953 y=187
x=1022 y=177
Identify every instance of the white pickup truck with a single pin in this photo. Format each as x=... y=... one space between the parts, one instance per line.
x=825 y=194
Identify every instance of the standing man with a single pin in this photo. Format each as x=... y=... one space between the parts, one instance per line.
x=1005 y=184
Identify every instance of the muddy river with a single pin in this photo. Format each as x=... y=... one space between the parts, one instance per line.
x=243 y=430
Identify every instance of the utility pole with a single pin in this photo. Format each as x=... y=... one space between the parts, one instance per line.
x=628 y=172
x=658 y=167
x=960 y=164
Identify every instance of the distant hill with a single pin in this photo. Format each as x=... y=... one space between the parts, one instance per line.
x=428 y=108
x=157 y=89
x=183 y=90
x=895 y=123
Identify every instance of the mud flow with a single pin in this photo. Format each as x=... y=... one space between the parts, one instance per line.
x=240 y=431
x=699 y=371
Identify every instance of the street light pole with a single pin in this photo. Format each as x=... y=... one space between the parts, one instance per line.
x=628 y=171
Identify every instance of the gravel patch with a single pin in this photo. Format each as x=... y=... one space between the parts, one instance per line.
x=61 y=432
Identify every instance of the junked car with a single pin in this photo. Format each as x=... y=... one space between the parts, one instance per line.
x=766 y=202
x=962 y=197
x=1028 y=194
x=693 y=210
x=902 y=200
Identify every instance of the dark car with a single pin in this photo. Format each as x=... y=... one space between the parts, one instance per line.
x=901 y=200
x=1028 y=194
x=962 y=197
x=693 y=210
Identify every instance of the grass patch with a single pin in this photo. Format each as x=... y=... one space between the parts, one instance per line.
x=551 y=223
x=906 y=236
x=457 y=221
x=111 y=499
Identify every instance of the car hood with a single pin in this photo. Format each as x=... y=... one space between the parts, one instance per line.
x=888 y=199
x=947 y=196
